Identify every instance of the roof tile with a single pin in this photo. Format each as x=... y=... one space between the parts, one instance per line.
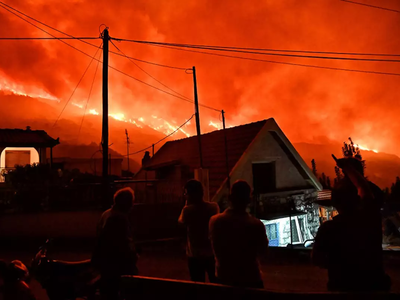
x=213 y=149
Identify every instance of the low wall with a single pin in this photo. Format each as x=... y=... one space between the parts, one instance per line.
x=138 y=287
x=148 y=221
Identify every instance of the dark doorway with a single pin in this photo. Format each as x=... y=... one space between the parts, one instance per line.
x=264 y=178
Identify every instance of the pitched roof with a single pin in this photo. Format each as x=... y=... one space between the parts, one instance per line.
x=186 y=151
x=26 y=138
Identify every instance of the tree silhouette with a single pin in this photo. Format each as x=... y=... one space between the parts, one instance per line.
x=395 y=191
x=314 y=167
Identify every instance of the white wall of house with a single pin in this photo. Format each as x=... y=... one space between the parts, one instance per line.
x=34 y=157
x=265 y=149
x=33 y=151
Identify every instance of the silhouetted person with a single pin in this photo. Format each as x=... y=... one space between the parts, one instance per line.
x=13 y=284
x=146 y=158
x=350 y=245
x=238 y=239
x=115 y=253
x=196 y=216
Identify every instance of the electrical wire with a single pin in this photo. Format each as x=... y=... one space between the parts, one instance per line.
x=187 y=121
x=283 y=63
x=148 y=74
x=73 y=92
x=90 y=92
x=45 y=31
x=291 y=50
x=180 y=97
x=46 y=38
x=373 y=6
x=111 y=67
x=82 y=39
x=227 y=49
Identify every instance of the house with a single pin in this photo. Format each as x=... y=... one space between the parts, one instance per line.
x=22 y=147
x=259 y=153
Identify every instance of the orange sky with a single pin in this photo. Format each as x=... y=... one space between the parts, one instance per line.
x=311 y=105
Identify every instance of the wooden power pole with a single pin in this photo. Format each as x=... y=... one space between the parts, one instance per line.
x=196 y=111
x=127 y=147
x=228 y=180
x=106 y=39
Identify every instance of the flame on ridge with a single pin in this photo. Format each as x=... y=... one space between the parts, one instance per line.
x=13 y=88
x=367 y=149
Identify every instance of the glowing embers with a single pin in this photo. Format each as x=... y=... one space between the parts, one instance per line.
x=93 y=112
x=16 y=89
x=164 y=126
x=215 y=125
x=367 y=149
x=118 y=116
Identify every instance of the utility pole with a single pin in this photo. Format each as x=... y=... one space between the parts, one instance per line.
x=228 y=180
x=127 y=146
x=196 y=111
x=106 y=39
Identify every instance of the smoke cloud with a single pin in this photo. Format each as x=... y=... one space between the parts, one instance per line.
x=310 y=104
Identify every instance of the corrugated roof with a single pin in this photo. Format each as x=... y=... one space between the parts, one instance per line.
x=186 y=151
x=26 y=138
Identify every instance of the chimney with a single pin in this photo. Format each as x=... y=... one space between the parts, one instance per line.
x=146 y=158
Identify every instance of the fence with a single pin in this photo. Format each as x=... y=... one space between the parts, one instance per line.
x=154 y=191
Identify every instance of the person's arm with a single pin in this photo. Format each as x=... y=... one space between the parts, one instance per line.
x=263 y=241
x=359 y=181
x=212 y=234
x=319 y=254
x=182 y=218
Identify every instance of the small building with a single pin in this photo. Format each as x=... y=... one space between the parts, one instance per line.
x=259 y=153
x=22 y=147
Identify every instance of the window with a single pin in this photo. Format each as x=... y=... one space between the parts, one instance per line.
x=295 y=233
x=264 y=177
x=272 y=234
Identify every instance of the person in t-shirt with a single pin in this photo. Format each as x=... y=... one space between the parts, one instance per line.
x=115 y=253
x=238 y=240
x=195 y=216
x=350 y=245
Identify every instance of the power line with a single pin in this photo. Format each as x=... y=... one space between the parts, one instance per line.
x=81 y=39
x=373 y=6
x=161 y=90
x=46 y=38
x=34 y=25
x=144 y=149
x=283 y=63
x=73 y=92
x=269 y=49
x=148 y=74
x=227 y=49
x=90 y=92
x=77 y=49
x=148 y=62
x=182 y=98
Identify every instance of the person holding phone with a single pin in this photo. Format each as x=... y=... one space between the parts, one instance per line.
x=350 y=245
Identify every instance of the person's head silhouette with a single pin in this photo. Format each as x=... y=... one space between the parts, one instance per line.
x=345 y=197
x=240 y=195
x=124 y=199
x=194 y=191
